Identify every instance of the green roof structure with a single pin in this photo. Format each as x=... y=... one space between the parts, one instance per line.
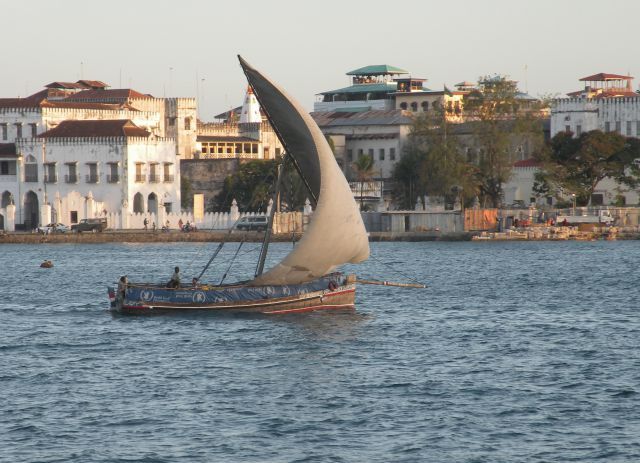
x=385 y=87
x=377 y=70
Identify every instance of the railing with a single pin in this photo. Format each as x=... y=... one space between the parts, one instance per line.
x=50 y=178
x=139 y=178
x=92 y=178
x=153 y=178
x=31 y=178
x=115 y=178
x=168 y=178
x=71 y=178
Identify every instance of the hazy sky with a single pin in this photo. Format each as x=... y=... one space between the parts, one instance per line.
x=189 y=48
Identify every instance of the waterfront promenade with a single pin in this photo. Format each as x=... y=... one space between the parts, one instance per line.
x=535 y=233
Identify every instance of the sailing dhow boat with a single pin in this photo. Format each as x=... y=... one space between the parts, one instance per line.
x=305 y=280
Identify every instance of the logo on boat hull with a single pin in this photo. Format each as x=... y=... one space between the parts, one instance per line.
x=199 y=297
x=146 y=295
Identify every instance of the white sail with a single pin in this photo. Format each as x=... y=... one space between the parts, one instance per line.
x=336 y=234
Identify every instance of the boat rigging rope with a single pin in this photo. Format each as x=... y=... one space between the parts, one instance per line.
x=404 y=275
x=231 y=263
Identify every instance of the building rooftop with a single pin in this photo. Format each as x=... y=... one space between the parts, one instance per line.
x=380 y=87
x=96 y=128
x=106 y=95
x=225 y=138
x=603 y=76
x=377 y=70
x=340 y=118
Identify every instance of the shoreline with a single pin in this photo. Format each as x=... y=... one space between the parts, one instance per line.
x=141 y=236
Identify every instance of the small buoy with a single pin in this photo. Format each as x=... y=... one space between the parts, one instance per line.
x=46 y=264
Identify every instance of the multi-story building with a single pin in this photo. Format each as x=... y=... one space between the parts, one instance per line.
x=83 y=140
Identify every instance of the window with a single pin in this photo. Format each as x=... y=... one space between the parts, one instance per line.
x=3 y=127
x=34 y=130
x=74 y=216
x=403 y=105
x=139 y=175
x=381 y=154
x=637 y=128
x=92 y=176
x=254 y=148
x=187 y=123
x=350 y=155
x=371 y=153
x=392 y=154
x=4 y=167
x=112 y=176
x=567 y=128
x=578 y=130
x=171 y=121
x=50 y=173
x=30 y=169
x=414 y=106
x=168 y=176
x=72 y=173
x=168 y=207
x=19 y=130
x=607 y=127
x=153 y=173
x=360 y=153
x=628 y=128
x=618 y=126
x=425 y=106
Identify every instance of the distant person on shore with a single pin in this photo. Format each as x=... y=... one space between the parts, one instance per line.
x=146 y=223
x=174 y=282
x=180 y=224
x=153 y=226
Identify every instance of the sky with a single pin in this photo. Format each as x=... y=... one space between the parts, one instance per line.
x=188 y=48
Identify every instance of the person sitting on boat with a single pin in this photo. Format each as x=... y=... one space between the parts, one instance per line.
x=174 y=282
x=194 y=283
x=122 y=287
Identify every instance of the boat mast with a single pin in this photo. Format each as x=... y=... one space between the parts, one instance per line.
x=267 y=233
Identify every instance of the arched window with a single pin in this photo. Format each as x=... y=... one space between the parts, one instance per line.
x=138 y=203
x=152 y=203
x=403 y=105
x=30 y=169
x=6 y=199
x=414 y=107
x=31 y=211
x=425 y=106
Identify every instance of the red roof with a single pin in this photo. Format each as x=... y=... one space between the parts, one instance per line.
x=602 y=76
x=108 y=95
x=102 y=128
x=531 y=162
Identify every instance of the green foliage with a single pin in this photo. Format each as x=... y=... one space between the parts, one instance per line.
x=577 y=165
x=186 y=193
x=433 y=164
x=500 y=120
x=251 y=186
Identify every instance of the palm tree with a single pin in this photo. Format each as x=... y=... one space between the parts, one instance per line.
x=363 y=168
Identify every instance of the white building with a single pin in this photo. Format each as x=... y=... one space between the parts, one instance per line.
x=86 y=169
x=607 y=103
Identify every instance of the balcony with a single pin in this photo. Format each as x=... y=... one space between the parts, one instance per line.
x=139 y=178
x=71 y=178
x=115 y=178
x=168 y=178
x=50 y=178
x=31 y=178
x=153 y=178
x=91 y=178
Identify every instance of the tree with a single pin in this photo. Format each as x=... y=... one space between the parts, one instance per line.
x=251 y=186
x=363 y=169
x=577 y=164
x=500 y=119
x=433 y=163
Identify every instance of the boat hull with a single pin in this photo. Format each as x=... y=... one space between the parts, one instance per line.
x=323 y=294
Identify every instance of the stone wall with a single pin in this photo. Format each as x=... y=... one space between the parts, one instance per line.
x=207 y=175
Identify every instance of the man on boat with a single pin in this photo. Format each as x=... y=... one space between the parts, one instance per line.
x=174 y=282
x=122 y=287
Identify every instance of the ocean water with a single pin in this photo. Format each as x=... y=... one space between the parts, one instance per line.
x=516 y=352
